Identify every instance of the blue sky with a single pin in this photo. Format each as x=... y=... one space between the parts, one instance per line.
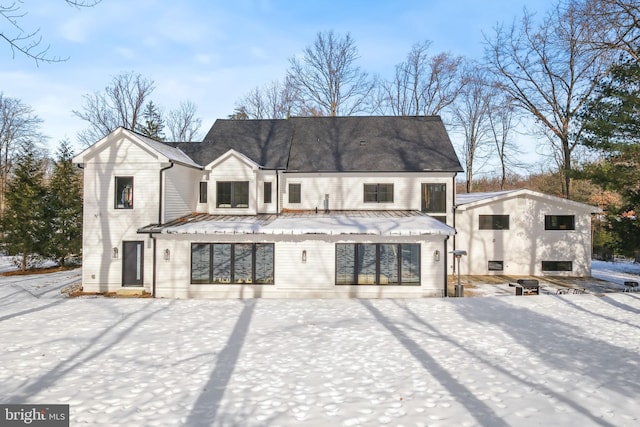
x=214 y=52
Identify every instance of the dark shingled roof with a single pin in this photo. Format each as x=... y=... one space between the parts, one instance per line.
x=333 y=144
x=266 y=142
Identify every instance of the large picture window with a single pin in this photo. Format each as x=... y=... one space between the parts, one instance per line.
x=232 y=194
x=124 y=192
x=493 y=222
x=232 y=263
x=378 y=193
x=377 y=264
x=559 y=222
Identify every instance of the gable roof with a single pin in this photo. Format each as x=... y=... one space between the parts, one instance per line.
x=467 y=201
x=166 y=152
x=333 y=144
x=266 y=142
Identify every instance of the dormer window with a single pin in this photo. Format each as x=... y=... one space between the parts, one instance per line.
x=232 y=194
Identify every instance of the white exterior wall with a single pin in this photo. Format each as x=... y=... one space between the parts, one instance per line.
x=526 y=244
x=346 y=190
x=292 y=277
x=105 y=227
x=233 y=168
x=181 y=191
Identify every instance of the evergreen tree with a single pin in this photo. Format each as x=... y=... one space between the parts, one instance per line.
x=64 y=204
x=153 y=124
x=612 y=128
x=24 y=221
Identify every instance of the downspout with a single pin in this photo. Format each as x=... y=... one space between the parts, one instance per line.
x=151 y=236
x=446 y=267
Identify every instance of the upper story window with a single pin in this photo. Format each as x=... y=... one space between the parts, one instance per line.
x=124 y=192
x=295 y=193
x=494 y=222
x=378 y=193
x=232 y=194
x=203 y=192
x=267 y=192
x=434 y=198
x=559 y=222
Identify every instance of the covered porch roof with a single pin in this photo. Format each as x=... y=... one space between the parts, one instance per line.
x=383 y=223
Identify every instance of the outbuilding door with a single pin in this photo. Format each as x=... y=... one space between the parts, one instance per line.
x=133 y=264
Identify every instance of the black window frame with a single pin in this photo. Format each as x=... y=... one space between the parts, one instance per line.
x=374 y=193
x=434 y=195
x=374 y=279
x=236 y=189
x=493 y=222
x=495 y=265
x=121 y=199
x=557 y=266
x=295 y=192
x=559 y=222
x=232 y=259
x=202 y=192
x=266 y=192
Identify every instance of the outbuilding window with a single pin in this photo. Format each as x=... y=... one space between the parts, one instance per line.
x=557 y=266
x=559 y=222
x=493 y=222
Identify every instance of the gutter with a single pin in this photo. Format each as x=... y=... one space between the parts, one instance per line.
x=151 y=235
x=446 y=267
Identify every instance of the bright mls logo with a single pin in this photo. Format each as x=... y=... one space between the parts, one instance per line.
x=34 y=415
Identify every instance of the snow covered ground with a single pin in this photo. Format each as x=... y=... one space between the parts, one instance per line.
x=497 y=361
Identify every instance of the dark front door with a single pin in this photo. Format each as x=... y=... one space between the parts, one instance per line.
x=133 y=265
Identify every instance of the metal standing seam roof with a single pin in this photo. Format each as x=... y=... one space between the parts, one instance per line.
x=390 y=223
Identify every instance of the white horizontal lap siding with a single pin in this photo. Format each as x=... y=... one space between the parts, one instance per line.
x=261 y=178
x=181 y=191
x=292 y=276
x=346 y=190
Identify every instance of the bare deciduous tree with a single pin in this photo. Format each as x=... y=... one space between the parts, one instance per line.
x=615 y=25
x=29 y=42
x=423 y=84
x=502 y=120
x=548 y=73
x=471 y=115
x=183 y=124
x=18 y=125
x=327 y=78
x=275 y=100
x=120 y=104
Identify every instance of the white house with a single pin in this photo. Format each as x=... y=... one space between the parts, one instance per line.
x=304 y=207
x=522 y=232
x=308 y=207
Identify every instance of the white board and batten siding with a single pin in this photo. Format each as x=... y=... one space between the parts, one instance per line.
x=181 y=191
x=526 y=243
x=293 y=277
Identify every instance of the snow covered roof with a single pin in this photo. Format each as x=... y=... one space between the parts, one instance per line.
x=387 y=223
x=466 y=201
x=172 y=153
